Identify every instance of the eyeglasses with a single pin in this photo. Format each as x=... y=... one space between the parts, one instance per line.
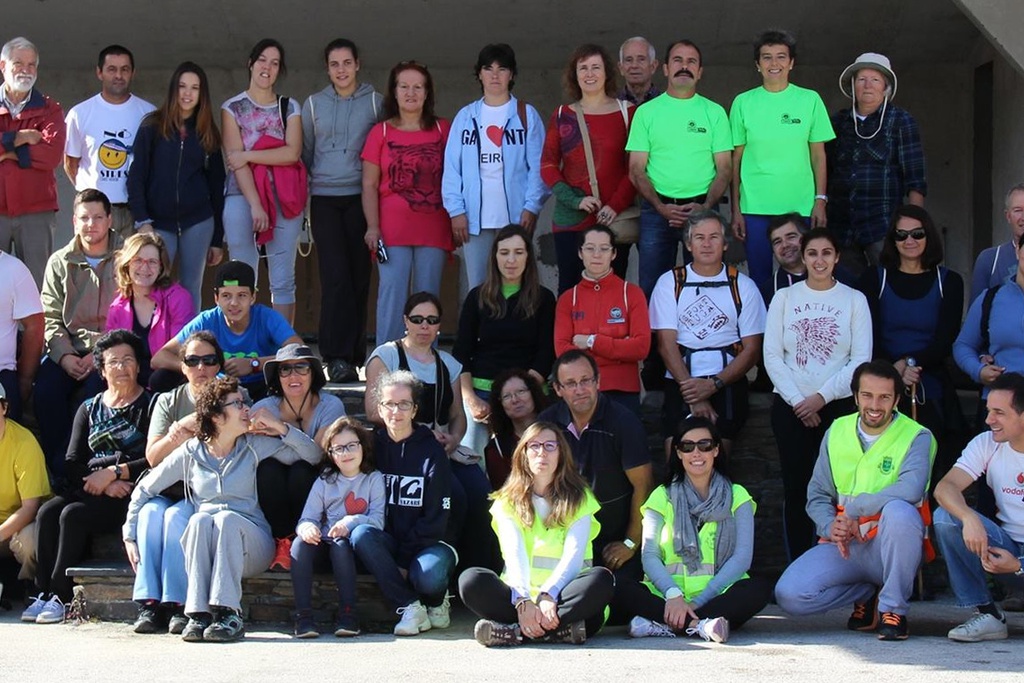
x=518 y=393
x=402 y=406
x=916 y=233
x=301 y=369
x=125 y=362
x=237 y=403
x=584 y=383
x=591 y=249
x=150 y=262
x=209 y=360
x=536 y=446
x=704 y=446
x=428 y=319
x=344 y=448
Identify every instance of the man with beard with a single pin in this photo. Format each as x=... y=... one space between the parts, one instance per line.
x=31 y=141
x=637 y=64
x=101 y=133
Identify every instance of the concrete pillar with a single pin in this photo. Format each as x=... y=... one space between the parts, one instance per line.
x=1002 y=22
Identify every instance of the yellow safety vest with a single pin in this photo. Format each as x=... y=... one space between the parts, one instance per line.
x=544 y=546
x=691 y=583
x=856 y=471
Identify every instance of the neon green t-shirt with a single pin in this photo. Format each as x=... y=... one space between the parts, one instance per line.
x=681 y=137
x=22 y=469
x=776 y=128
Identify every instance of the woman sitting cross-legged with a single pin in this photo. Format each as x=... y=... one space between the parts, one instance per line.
x=697 y=546
x=228 y=538
x=544 y=518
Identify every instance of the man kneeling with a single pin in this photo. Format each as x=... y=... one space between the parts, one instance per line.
x=864 y=498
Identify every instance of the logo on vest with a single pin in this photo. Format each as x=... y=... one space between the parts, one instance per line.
x=692 y=127
x=885 y=467
x=786 y=120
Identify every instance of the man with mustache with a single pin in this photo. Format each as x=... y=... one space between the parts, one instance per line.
x=101 y=132
x=680 y=148
x=31 y=141
x=637 y=64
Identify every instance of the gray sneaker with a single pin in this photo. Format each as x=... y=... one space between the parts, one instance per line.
x=978 y=628
x=440 y=616
x=32 y=611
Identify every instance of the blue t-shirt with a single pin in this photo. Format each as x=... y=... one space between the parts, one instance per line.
x=266 y=333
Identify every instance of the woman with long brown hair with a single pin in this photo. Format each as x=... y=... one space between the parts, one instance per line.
x=544 y=518
x=176 y=181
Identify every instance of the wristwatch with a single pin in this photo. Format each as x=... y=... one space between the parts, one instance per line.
x=1020 y=570
x=822 y=197
x=629 y=543
x=255 y=363
x=590 y=341
x=719 y=384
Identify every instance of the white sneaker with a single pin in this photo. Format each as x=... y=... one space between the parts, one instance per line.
x=439 y=616
x=52 y=612
x=414 y=620
x=712 y=630
x=978 y=628
x=645 y=628
x=33 y=610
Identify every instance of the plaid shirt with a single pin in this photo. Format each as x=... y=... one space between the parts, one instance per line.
x=626 y=95
x=869 y=179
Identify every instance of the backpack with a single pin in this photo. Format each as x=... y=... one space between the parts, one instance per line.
x=986 y=315
x=732 y=282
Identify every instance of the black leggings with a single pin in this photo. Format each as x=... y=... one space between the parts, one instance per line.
x=737 y=604
x=583 y=599
x=282 y=491
x=64 y=530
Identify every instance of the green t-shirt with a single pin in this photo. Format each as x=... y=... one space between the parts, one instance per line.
x=776 y=128
x=681 y=137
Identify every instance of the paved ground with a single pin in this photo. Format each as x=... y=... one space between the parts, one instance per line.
x=769 y=648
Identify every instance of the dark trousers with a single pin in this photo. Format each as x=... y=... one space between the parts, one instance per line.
x=738 y=604
x=570 y=267
x=339 y=226
x=798 y=451
x=583 y=599
x=282 y=491
x=469 y=524
x=308 y=558
x=64 y=530
x=9 y=380
x=56 y=398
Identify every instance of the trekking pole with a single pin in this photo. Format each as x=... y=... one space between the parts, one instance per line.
x=912 y=363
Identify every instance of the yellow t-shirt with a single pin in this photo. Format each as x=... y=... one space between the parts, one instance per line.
x=22 y=469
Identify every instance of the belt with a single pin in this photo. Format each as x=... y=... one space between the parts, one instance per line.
x=699 y=199
x=123 y=205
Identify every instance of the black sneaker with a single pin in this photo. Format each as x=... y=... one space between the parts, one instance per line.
x=228 y=627
x=570 y=634
x=893 y=627
x=196 y=627
x=304 y=626
x=495 y=634
x=348 y=625
x=151 y=619
x=340 y=371
x=178 y=621
x=865 y=615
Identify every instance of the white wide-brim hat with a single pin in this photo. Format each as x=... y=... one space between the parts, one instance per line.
x=869 y=60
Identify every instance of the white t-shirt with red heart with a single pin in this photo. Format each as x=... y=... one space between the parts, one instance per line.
x=494 y=204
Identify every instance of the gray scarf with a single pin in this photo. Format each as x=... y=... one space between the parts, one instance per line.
x=691 y=513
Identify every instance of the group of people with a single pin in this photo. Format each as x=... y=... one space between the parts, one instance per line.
x=549 y=509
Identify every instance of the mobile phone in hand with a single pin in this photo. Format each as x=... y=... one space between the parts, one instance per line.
x=382 y=252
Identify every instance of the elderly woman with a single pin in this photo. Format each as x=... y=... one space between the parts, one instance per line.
x=697 y=547
x=778 y=164
x=106 y=453
x=584 y=160
x=148 y=302
x=409 y=557
x=228 y=538
x=544 y=518
x=295 y=383
x=157 y=556
x=516 y=400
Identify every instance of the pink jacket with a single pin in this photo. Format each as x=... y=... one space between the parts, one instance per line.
x=288 y=183
x=174 y=309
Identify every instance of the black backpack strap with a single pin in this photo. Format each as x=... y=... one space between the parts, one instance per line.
x=403 y=360
x=680 y=273
x=733 y=275
x=282 y=110
x=986 y=316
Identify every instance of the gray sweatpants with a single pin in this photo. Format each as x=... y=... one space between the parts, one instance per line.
x=220 y=550
x=821 y=580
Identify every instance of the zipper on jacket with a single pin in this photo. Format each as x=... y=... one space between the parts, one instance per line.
x=177 y=183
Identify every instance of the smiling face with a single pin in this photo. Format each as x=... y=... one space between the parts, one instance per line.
x=683 y=69
x=706 y=242
x=637 y=66
x=542 y=462
x=188 y=93
x=1015 y=214
x=92 y=227
x=820 y=259
x=1007 y=424
x=774 y=64
x=590 y=75
x=120 y=367
x=145 y=267
x=347 y=452
x=495 y=80
x=234 y=420
x=411 y=91
x=697 y=464
x=116 y=76
x=785 y=242
x=511 y=258
x=296 y=377
x=876 y=402
x=342 y=69
x=912 y=248
x=264 y=71
x=20 y=70
x=202 y=373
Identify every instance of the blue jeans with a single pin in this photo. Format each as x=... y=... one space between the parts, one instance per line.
x=475 y=256
x=161 y=572
x=429 y=572
x=420 y=265
x=305 y=560
x=193 y=242
x=759 y=248
x=280 y=251
x=966 y=575
x=657 y=248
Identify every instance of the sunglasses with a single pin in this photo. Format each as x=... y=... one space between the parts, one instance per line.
x=916 y=233
x=209 y=360
x=428 y=319
x=301 y=369
x=704 y=446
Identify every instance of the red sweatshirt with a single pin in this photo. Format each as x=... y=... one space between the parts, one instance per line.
x=615 y=312
x=27 y=185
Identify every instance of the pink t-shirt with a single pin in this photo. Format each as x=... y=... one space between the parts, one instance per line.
x=411 y=213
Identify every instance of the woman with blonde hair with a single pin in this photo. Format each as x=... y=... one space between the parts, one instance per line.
x=544 y=519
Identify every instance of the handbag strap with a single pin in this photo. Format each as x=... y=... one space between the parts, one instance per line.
x=587 y=151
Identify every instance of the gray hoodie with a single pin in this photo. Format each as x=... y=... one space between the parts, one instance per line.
x=220 y=484
x=334 y=129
